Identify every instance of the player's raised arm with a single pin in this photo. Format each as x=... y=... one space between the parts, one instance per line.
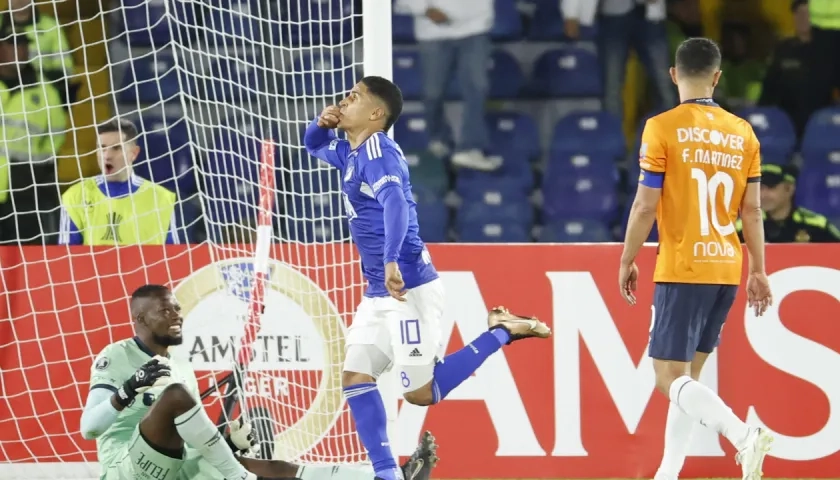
x=320 y=139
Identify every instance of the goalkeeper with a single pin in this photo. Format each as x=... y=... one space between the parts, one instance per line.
x=143 y=410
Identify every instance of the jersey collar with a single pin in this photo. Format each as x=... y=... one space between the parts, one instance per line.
x=118 y=189
x=144 y=348
x=702 y=101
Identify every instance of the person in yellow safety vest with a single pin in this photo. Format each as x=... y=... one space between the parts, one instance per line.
x=824 y=65
x=118 y=207
x=49 y=49
x=32 y=130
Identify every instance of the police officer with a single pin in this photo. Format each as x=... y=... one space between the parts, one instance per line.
x=784 y=222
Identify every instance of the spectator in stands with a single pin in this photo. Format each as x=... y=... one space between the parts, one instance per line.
x=741 y=86
x=824 y=65
x=454 y=38
x=32 y=124
x=623 y=24
x=786 y=81
x=117 y=207
x=48 y=46
x=784 y=222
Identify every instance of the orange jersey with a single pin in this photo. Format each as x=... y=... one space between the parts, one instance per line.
x=702 y=157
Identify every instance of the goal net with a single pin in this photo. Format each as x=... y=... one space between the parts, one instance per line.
x=221 y=92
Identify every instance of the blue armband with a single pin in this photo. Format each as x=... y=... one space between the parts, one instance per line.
x=651 y=179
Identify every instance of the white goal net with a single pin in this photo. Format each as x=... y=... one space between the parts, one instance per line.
x=220 y=91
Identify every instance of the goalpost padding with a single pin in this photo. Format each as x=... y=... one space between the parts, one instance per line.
x=207 y=82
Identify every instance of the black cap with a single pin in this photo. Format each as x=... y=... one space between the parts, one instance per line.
x=772 y=175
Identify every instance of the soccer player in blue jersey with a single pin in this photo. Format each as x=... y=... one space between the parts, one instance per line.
x=398 y=321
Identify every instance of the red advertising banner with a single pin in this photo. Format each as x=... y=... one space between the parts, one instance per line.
x=580 y=405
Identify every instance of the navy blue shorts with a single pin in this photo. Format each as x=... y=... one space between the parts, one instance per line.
x=688 y=318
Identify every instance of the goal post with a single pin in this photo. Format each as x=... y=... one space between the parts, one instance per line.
x=220 y=90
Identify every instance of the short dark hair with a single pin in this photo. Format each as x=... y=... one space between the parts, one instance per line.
x=697 y=57
x=389 y=93
x=150 y=291
x=121 y=125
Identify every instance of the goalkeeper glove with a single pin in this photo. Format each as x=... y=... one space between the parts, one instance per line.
x=154 y=373
x=241 y=438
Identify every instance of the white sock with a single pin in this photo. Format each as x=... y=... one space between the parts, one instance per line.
x=200 y=433
x=334 y=472
x=678 y=429
x=704 y=406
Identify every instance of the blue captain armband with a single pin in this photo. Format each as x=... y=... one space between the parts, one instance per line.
x=651 y=179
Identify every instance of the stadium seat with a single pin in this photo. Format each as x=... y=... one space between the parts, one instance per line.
x=513 y=133
x=187 y=213
x=235 y=80
x=774 y=130
x=508 y=23
x=166 y=159
x=577 y=230
x=506 y=78
x=428 y=172
x=433 y=216
x=588 y=197
x=314 y=75
x=145 y=25
x=410 y=132
x=567 y=72
x=495 y=232
x=251 y=125
x=504 y=207
x=408 y=74
x=588 y=133
x=822 y=132
x=316 y=22
x=402 y=28
x=237 y=22
x=547 y=23
x=151 y=78
x=581 y=165
x=320 y=230
x=230 y=174
x=818 y=189
x=513 y=181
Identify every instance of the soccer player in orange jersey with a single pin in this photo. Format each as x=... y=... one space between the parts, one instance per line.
x=700 y=168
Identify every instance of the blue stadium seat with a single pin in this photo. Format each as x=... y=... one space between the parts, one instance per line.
x=315 y=194
x=428 y=172
x=508 y=23
x=581 y=165
x=822 y=132
x=316 y=75
x=494 y=232
x=408 y=74
x=547 y=23
x=319 y=230
x=249 y=124
x=433 y=216
x=317 y=22
x=402 y=28
x=588 y=133
x=506 y=78
x=234 y=79
x=151 y=78
x=410 y=132
x=774 y=130
x=577 y=230
x=145 y=24
x=231 y=177
x=589 y=197
x=237 y=21
x=513 y=133
x=567 y=72
x=512 y=181
x=187 y=213
x=495 y=207
x=166 y=158
x=818 y=189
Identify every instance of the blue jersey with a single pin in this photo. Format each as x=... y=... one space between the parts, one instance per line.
x=377 y=198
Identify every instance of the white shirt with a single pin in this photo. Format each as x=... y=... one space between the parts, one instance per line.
x=585 y=11
x=466 y=18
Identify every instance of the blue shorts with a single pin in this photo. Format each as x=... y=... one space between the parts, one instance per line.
x=688 y=318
